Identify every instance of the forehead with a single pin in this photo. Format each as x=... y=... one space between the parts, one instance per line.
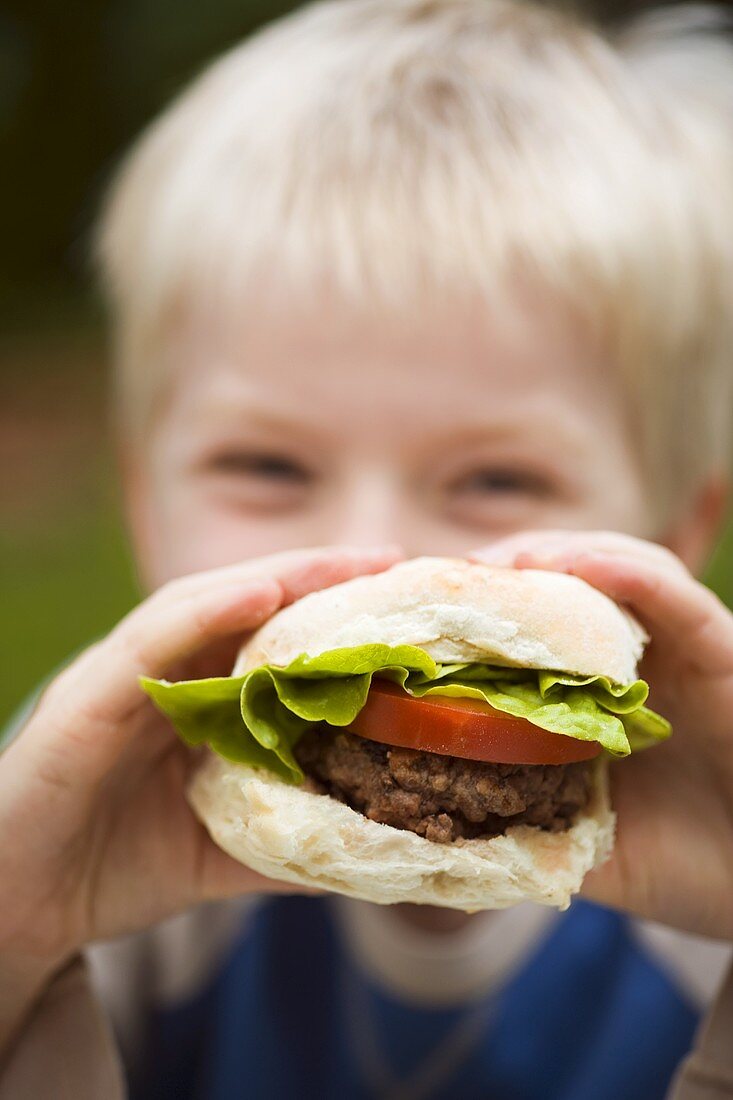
x=451 y=364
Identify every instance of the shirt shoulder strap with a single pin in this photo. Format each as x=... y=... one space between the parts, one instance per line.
x=707 y=1073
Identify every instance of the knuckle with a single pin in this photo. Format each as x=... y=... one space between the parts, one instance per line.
x=68 y=717
x=66 y=682
x=171 y=590
x=54 y=692
x=646 y=582
x=668 y=558
x=203 y=619
x=55 y=767
x=135 y=650
x=640 y=586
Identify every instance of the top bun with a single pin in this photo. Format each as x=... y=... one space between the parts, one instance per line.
x=459 y=611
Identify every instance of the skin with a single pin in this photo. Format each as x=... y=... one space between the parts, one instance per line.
x=321 y=426
x=438 y=434
x=674 y=847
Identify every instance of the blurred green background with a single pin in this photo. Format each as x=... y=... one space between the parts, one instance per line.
x=77 y=82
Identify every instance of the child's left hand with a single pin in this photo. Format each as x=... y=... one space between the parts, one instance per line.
x=673 y=859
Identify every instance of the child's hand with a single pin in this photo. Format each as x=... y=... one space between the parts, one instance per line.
x=673 y=860
x=97 y=837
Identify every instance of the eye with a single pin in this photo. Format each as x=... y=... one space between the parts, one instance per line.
x=502 y=481
x=266 y=466
x=499 y=497
x=258 y=482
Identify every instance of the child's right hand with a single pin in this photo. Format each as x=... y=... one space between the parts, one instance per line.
x=97 y=837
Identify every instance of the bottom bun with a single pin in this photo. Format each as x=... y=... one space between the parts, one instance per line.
x=291 y=834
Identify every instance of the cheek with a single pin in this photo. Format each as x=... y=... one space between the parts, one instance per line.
x=178 y=528
x=206 y=543
x=619 y=504
x=211 y=541
x=192 y=532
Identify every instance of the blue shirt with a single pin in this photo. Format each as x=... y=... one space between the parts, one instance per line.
x=588 y=1016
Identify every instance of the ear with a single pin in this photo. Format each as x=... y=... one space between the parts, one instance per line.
x=693 y=535
x=137 y=509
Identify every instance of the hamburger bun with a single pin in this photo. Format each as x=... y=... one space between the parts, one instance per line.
x=455 y=611
x=458 y=611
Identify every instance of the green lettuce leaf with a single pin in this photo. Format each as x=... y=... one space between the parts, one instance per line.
x=257 y=718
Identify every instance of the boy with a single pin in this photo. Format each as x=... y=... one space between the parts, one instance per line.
x=431 y=272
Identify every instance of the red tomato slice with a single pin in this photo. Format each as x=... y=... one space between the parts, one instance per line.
x=462 y=727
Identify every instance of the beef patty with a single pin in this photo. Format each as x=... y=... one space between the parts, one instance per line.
x=440 y=797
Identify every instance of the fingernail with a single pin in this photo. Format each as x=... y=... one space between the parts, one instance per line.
x=390 y=550
x=490 y=555
x=549 y=559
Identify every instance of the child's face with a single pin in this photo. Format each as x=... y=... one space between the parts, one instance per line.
x=293 y=429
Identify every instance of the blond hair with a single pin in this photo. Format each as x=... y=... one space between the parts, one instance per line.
x=400 y=147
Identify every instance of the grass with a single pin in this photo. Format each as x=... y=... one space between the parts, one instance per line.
x=62 y=588
x=719 y=574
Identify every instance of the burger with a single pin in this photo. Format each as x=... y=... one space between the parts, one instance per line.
x=438 y=733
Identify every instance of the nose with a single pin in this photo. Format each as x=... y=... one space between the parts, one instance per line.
x=374 y=510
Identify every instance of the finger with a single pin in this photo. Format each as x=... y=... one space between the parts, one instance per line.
x=672 y=604
x=311 y=570
x=552 y=544
x=646 y=577
x=297 y=571
x=98 y=695
x=678 y=611
x=191 y=613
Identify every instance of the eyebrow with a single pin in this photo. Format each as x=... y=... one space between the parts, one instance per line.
x=531 y=423
x=235 y=413
x=536 y=417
